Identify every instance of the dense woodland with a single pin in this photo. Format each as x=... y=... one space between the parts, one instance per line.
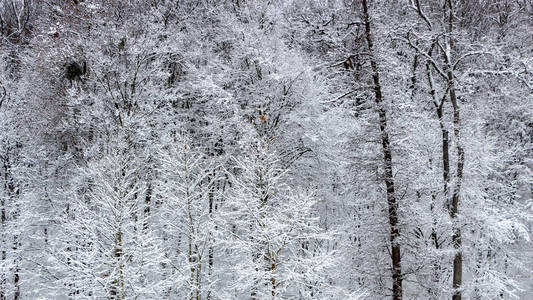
x=254 y=149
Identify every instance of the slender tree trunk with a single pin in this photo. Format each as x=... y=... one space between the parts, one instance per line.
x=191 y=259
x=3 y=279
x=413 y=86
x=194 y=253
x=12 y=193
x=444 y=132
x=387 y=154
x=117 y=286
x=439 y=104
x=198 y=273
x=456 y=238
x=272 y=278
x=211 y=252
x=147 y=203
x=16 y=275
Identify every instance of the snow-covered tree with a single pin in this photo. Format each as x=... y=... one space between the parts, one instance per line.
x=271 y=231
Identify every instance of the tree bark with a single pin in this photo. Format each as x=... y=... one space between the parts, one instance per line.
x=387 y=154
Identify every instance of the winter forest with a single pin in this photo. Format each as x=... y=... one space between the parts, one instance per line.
x=266 y=149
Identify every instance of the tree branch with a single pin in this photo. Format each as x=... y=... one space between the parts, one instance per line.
x=429 y=58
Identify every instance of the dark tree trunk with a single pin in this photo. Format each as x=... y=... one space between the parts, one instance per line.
x=439 y=104
x=387 y=154
x=16 y=275
x=211 y=251
x=4 y=253
x=3 y=280
x=147 y=204
x=456 y=238
x=12 y=193
x=117 y=285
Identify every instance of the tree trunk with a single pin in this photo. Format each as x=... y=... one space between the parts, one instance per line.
x=12 y=193
x=211 y=251
x=4 y=252
x=273 y=279
x=117 y=286
x=445 y=139
x=387 y=154
x=193 y=253
x=198 y=283
x=16 y=275
x=439 y=104
x=147 y=203
x=456 y=238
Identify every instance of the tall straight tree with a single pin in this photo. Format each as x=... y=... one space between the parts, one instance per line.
x=388 y=177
